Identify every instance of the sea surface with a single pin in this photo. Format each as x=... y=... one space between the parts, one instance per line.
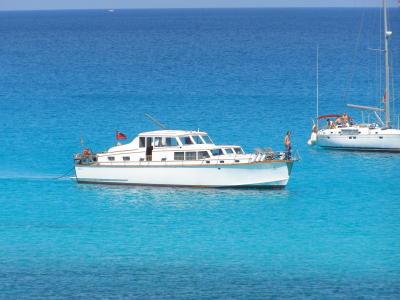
x=246 y=76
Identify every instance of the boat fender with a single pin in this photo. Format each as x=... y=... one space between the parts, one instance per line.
x=313 y=137
x=312 y=140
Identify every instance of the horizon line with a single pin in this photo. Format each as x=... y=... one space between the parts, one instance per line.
x=200 y=7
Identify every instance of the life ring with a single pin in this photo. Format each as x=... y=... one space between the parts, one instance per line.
x=86 y=152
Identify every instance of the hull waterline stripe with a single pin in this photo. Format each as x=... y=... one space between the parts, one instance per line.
x=363 y=149
x=102 y=180
x=274 y=187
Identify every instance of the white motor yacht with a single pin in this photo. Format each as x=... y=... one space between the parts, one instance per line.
x=183 y=159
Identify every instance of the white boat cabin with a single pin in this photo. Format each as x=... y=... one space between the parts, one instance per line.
x=172 y=146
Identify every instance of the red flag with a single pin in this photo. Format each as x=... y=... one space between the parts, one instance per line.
x=120 y=136
x=384 y=98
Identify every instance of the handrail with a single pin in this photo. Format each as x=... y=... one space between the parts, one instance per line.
x=215 y=161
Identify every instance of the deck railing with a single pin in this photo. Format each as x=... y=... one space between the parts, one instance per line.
x=258 y=156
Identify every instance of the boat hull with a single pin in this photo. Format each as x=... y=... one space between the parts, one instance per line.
x=380 y=141
x=271 y=175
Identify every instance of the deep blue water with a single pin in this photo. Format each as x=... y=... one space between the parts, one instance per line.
x=244 y=75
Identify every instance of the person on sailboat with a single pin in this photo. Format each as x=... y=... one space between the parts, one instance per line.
x=339 y=121
x=345 y=119
x=330 y=124
x=288 y=145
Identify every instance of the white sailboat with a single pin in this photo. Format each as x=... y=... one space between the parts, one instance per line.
x=344 y=134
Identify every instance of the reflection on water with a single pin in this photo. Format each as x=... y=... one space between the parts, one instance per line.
x=182 y=197
x=359 y=154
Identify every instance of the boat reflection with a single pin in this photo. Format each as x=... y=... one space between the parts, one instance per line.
x=182 y=197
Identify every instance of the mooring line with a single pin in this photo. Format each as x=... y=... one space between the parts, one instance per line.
x=62 y=176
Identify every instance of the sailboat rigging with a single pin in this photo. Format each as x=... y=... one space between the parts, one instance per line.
x=345 y=134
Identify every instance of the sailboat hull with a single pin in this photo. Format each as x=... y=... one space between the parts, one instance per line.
x=360 y=139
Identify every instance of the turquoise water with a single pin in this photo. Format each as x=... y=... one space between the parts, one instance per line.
x=244 y=75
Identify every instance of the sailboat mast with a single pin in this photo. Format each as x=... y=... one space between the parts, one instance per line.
x=387 y=80
x=317 y=77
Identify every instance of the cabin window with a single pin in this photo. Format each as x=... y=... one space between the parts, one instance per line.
x=207 y=139
x=186 y=140
x=197 y=139
x=228 y=150
x=158 y=142
x=190 y=155
x=171 y=141
x=142 y=142
x=178 y=156
x=203 y=154
x=216 y=152
x=111 y=158
x=126 y=158
x=238 y=150
x=381 y=137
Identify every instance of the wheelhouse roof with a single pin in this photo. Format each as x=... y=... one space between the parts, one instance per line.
x=171 y=133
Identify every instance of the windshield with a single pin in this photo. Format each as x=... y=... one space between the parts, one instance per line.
x=216 y=152
x=207 y=139
x=171 y=141
x=238 y=150
x=197 y=139
x=185 y=140
x=228 y=150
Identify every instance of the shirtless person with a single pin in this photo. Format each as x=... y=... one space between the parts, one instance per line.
x=346 y=119
x=288 y=145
